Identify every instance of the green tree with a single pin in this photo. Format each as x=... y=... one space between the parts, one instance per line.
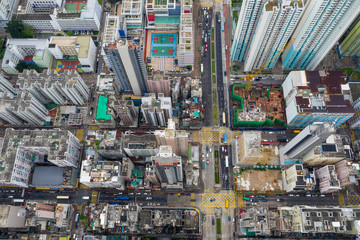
x=18 y=29
x=23 y=65
x=115 y=1
x=2 y=49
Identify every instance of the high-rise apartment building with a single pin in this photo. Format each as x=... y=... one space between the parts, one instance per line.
x=125 y=59
x=298 y=178
x=126 y=111
x=350 y=46
x=306 y=140
x=158 y=82
x=61 y=88
x=156 y=112
x=168 y=168
x=312 y=96
x=6 y=86
x=328 y=179
x=137 y=144
x=22 y=110
x=7 y=8
x=263 y=30
x=177 y=139
x=322 y=24
x=28 y=147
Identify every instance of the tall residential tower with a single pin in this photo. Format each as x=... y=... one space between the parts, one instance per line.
x=322 y=24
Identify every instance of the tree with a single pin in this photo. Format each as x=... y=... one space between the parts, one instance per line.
x=115 y=1
x=18 y=29
x=23 y=65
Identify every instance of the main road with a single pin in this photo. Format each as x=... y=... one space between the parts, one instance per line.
x=206 y=61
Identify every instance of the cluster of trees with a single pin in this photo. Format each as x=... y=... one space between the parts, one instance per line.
x=23 y=65
x=17 y=29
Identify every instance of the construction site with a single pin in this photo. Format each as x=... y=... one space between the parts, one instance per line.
x=260 y=105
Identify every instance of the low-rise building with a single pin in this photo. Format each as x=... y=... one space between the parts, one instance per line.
x=12 y=217
x=81 y=48
x=328 y=179
x=29 y=50
x=105 y=115
x=105 y=84
x=257 y=221
x=298 y=178
x=249 y=150
x=102 y=174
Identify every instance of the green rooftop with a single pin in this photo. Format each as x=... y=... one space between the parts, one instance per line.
x=167 y=20
x=102 y=108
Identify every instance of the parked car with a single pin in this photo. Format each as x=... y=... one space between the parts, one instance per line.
x=207 y=161
x=91 y=111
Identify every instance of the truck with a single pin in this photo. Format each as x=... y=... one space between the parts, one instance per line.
x=18 y=200
x=226 y=161
x=62 y=197
x=123 y=198
x=203 y=164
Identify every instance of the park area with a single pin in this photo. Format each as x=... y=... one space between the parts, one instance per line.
x=257 y=180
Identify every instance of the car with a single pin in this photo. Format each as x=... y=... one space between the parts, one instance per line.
x=206 y=45
x=225 y=151
x=202 y=154
x=207 y=161
x=213 y=221
x=236 y=137
x=131 y=193
x=280 y=200
x=93 y=120
x=234 y=221
x=222 y=149
x=205 y=49
x=138 y=193
x=229 y=218
x=254 y=200
x=148 y=198
x=264 y=200
x=10 y=196
x=254 y=203
x=212 y=200
x=248 y=204
x=210 y=149
x=91 y=111
x=207 y=155
x=12 y=190
x=145 y=194
x=93 y=195
x=252 y=196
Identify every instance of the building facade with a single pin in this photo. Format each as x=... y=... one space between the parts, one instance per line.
x=275 y=24
x=312 y=96
x=125 y=59
x=7 y=9
x=321 y=25
x=350 y=46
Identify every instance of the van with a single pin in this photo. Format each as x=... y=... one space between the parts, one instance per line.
x=207 y=155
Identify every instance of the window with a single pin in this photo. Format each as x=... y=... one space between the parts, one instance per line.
x=318 y=214
x=354 y=214
x=326 y=222
x=341 y=214
x=330 y=214
x=308 y=222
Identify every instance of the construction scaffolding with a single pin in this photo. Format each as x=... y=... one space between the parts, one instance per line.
x=262 y=106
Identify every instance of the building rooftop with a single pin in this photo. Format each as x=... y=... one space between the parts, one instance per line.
x=48 y=176
x=101 y=112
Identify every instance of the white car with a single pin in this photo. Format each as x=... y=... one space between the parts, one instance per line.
x=148 y=198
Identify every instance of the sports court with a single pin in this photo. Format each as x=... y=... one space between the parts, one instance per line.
x=61 y=66
x=75 y=5
x=163 y=44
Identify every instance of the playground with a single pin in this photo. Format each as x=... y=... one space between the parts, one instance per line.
x=163 y=44
x=62 y=65
x=75 y=5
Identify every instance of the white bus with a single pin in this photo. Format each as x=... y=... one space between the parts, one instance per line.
x=226 y=161
x=62 y=197
x=19 y=200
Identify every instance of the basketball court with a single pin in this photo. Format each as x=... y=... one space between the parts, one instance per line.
x=163 y=44
x=75 y=5
x=61 y=66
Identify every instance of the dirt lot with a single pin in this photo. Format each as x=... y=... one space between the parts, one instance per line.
x=258 y=180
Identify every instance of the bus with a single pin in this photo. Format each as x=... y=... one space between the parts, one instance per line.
x=227 y=204
x=62 y=197
x=202 y=68
x=203 y=164
x=261 y=196
x=226 y=161
x=247 y=199
x=225 y=137
x=77 y=218
x=223 y=118
x=122 y=198
x=19 y=200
